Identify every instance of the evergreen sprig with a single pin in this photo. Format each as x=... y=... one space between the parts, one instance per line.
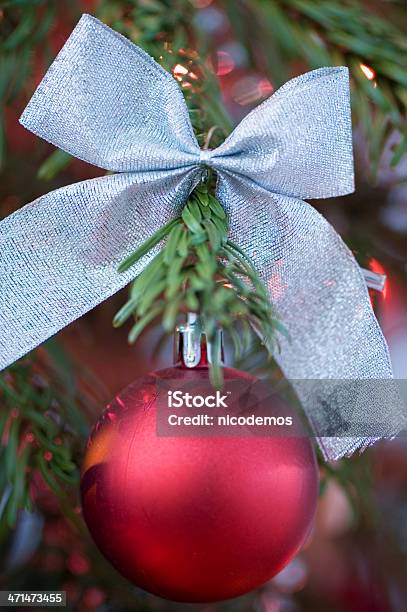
x=200 y=270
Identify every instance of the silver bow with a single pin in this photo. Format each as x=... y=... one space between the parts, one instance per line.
x=107 y=102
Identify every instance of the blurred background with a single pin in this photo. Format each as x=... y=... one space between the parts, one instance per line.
x=228 y=56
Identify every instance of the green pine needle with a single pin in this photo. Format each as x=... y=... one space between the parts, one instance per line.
x=199 y=270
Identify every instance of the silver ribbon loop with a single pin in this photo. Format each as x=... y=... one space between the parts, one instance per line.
x=107 y=102
x=299 y=141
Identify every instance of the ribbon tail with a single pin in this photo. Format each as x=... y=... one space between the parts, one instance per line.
x=59 y=254
x=336 y=358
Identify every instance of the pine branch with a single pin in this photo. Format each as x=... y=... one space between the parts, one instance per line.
x=200 y=270
x=24 y=25
x=42 y=429
x=315 y=33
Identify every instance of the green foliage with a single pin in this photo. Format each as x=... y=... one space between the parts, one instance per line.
x=41 y=430
x=316 y=33
x=53 y=165
x=21 y=31
x=165 y=29
x=200 y=270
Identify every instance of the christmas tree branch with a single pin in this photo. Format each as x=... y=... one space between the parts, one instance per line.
x=21 y=31
x=200 y=270
x=42 y=428
x=315 y=33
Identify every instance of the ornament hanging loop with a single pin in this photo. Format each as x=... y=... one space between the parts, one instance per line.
x=192 y=348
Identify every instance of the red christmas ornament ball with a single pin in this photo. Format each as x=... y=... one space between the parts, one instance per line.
x=194 y=519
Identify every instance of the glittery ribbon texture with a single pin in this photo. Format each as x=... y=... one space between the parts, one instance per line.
x=107 y=102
